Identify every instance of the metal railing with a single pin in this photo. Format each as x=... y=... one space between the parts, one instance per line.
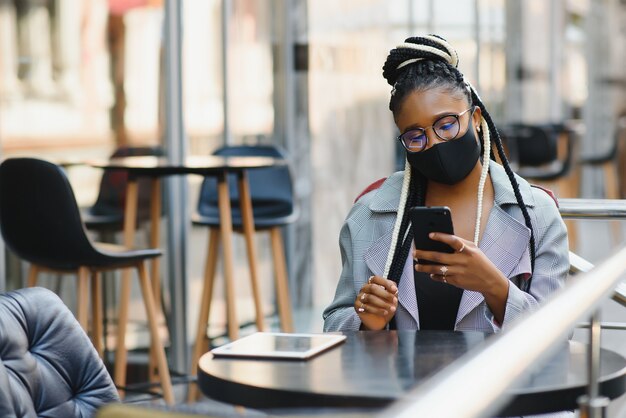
x=596 y=209
x=456 y=391
x=603 y=209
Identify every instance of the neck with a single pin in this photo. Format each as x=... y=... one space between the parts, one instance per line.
x=439 y=193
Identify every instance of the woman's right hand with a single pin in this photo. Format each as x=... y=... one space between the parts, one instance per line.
x=376 y=302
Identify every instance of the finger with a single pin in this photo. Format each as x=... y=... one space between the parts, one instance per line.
x=434 y=256
x=442 y=237
x=388 y=285
x=371 y=309
x=456 y=243
x=379 y=291
x=439 y=278
x=375 y=301
x=435 y=269
x=430 y=268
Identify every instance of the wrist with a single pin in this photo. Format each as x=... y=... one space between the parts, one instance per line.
x=498 y=290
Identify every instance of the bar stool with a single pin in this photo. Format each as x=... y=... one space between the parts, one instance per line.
x=41 y=223
x=107 y=213
x=271 y=193
x=609 y=163
x=544 y=154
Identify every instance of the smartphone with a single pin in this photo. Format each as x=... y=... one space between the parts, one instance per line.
x=425 y=220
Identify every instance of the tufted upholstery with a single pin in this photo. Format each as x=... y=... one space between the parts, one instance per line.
x=48 y=366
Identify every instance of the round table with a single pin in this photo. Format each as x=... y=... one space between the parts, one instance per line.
x=375 y=368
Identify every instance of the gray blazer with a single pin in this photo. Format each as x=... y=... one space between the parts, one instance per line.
x=366 y=236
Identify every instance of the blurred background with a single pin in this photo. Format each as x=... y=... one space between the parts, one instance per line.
x=81 y=78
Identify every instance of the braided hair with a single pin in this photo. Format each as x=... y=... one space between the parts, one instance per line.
x=418 y=64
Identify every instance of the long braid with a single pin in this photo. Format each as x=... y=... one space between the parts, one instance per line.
x=427 y=62
x=417 y=197
x=509 y=172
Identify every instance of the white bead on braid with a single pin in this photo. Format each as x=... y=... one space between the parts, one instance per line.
x=485 y=170
x=483 y=177
x=401 y=208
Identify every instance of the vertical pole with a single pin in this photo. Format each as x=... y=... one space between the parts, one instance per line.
x=431 y=16
x=176 y=187
x=225 y=96
x=291 y=129
x=8 y=77
x=514 y=50
x=477 y=40
x=3 y=267
x=593 y=405
x=289 y=115
x=411 y=13
x=556 y=53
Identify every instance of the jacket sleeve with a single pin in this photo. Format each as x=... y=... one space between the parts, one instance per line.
x=340 y=314
x=551 y=261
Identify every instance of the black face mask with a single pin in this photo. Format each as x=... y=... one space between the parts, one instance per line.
x=447 y=162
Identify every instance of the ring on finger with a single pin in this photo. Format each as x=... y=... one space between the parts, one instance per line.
x=443 y=270
x=362 y=308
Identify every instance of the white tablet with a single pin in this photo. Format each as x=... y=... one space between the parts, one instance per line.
x=279 y=345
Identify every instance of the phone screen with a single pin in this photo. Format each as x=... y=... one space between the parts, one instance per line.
x=425 y=220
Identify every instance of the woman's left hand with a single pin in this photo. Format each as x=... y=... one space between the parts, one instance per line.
x=467 y=268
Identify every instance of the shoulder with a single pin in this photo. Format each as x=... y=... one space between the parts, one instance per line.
x=376 y=202
x=542 y=196
x=373 y=186
x=544 y=199
x=383 y=194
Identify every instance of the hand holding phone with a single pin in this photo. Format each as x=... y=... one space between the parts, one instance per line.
x=425 y=220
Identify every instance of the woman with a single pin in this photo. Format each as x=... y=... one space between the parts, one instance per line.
x=510 y=242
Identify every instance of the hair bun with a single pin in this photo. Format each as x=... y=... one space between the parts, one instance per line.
x=427 y=47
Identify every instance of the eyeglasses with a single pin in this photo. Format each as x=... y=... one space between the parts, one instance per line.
x=446 y=128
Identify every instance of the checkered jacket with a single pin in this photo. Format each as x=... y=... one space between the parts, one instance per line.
x=365 y=239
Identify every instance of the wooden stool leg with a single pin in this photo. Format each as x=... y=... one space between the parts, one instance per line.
x=156 y=345
x=155 y=234
x=202 y=341
x=248 y=230
x=282 y=288
x=130 y=223
x=96 y=315
x=119 y=373
x=82 y=297
x=611 y=185
x=226 y=235
x=32 y=276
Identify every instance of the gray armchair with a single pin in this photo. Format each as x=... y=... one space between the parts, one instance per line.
x=48 y=366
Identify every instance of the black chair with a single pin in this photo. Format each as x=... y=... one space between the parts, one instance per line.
x=544 y=154
x=535 y=151
x=107 y=213
x=271 y=192
x=608 y=161
x=48 y=366
x=41 y=224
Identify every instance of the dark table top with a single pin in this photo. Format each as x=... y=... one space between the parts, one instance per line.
x=203 y=165
x=372 y=369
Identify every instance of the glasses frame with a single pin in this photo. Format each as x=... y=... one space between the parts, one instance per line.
x=457 y=116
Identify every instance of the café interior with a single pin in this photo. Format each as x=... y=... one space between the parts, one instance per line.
x=174 y=176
